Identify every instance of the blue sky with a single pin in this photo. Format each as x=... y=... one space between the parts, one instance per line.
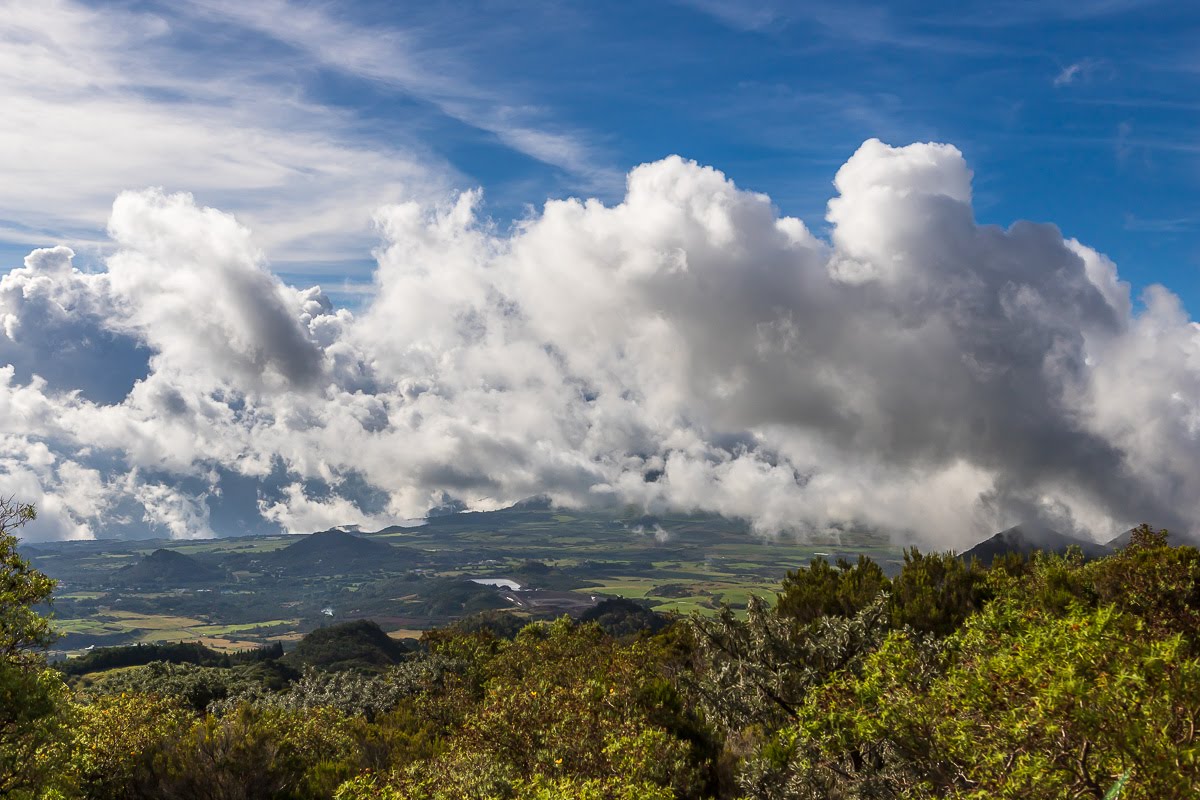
x=1083 y=114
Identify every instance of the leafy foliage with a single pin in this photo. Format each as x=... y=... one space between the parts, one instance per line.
x=115 y=739
x=935 y=593
x=565 y=701
x=823 y=590
x=1155 y=582
x=193 y=686
x=106 y=658
x=1045 y=676
x=32 y=696
x=620 y=617
x=1047 y=706
x=349 y=645
x=252 y=753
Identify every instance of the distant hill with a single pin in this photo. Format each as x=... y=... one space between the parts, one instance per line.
x=1174 y=538
x=454 y=597
x=168 y=567
x=395 y=529
x=348 y=645
x=336 y=551
x=618 y=616
x=1025 y=539
x=1120 y=540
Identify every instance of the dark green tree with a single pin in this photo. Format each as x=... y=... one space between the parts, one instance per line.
x=32 y=696
x=1156 y=582
x=935 y=593
x=823 y=590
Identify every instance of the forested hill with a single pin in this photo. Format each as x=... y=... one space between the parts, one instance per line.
x=165 y=567
x=1042 y=676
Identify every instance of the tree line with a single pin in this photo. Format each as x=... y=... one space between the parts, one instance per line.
x=1047 y=676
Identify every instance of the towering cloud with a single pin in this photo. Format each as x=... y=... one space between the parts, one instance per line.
x=917 y=373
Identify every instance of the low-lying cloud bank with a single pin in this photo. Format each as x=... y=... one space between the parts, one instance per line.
x=917 y=373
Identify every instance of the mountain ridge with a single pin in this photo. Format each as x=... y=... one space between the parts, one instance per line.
x=1026 y=539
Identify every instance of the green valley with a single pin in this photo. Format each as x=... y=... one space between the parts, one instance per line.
x=237 y=593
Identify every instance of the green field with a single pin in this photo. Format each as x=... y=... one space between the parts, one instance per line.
x=694 y=565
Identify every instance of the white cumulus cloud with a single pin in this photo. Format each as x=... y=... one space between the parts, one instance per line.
x=917 y=373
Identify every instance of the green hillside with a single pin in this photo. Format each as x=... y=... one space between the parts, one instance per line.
x=1048 y=676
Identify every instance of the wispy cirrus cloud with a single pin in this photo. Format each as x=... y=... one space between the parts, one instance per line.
x=862 y=24
x=218 y=100
x=1068 y=74
x=404 y=61
x=1078 y=71
x=1169 y=225
x=745 y=15
x=99 y=101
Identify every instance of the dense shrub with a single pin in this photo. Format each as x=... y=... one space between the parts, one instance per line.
x=1043 y=676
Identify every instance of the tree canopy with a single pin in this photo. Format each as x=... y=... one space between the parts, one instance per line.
x=1049 y=676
